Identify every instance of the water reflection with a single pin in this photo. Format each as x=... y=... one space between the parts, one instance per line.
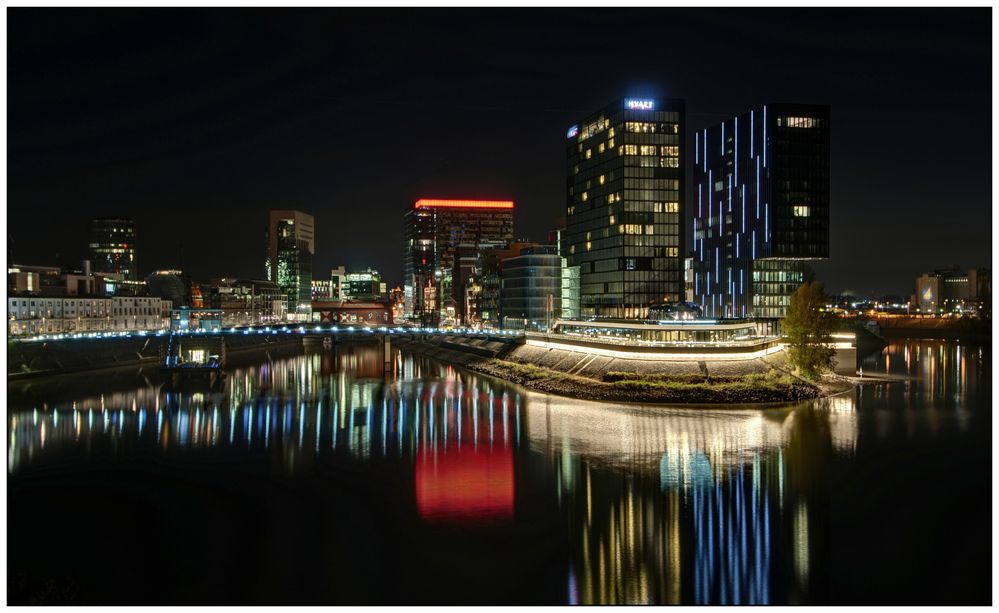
x=659 y=505
x=720 y=491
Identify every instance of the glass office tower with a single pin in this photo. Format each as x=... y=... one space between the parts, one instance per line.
x=625 y=207
x=291 y=246
x=761 y=208
x=112 y=246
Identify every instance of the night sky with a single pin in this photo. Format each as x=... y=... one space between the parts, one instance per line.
x=196 y=122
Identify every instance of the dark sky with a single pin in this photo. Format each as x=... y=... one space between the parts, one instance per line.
x=196 y=122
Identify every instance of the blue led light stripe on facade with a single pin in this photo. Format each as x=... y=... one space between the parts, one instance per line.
x=723 y=140
x=766 y=222
x=736 y=152
x=717 y=260
x=737 y=244
x=730 y=193
x=700 y=213
x=711 y=191
x=754 y=244
x=752 y=132
x=697 y=149
x=743 y=198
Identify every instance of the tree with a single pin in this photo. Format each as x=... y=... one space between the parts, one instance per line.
x=807 y=329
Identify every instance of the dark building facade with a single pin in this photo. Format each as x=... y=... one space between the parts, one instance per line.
x=112 y=246
x=760 y=206
x=441 y=235
x=291 y=245
x=624 y=222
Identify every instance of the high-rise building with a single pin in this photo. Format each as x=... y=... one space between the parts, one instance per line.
x=625 y=206
x=761 y=208
x=290 y=248
x=112 y=246
x=442 y=237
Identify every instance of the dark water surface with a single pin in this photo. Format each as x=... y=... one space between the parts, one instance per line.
x=320 y=479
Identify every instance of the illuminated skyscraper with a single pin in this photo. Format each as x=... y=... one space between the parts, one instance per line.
x=761 y=208
x=112 y=246
x=290 y=248
x=625 y=207
x=443 y=238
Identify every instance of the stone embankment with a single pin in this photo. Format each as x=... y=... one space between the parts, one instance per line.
x=591 y=377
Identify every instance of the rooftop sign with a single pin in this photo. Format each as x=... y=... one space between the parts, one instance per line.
x=635 y=104
x=428 y=203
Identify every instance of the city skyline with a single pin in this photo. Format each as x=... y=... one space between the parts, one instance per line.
x=229 y=114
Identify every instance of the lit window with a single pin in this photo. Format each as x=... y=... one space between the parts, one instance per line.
x=589 y=153
x=630 y=149
x=585 y=196
x=600 y=148
x=601 y=179
x=802 y=210
x=648 y=149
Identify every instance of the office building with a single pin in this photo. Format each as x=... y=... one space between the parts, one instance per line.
x=760 y=206
x=442 y=240
x=322 y=289
x=243 y=302
x=290 y=248
x=951 y=290
x=531 y=294
x=112 y=246
x=569 y=303
x=367 y=285
x=625 y=206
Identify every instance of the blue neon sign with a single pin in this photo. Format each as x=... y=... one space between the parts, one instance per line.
x=574 y=130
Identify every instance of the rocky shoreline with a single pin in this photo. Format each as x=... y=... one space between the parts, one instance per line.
x=734 y=390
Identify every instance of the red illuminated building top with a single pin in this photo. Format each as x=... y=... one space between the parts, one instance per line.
x=430 y=203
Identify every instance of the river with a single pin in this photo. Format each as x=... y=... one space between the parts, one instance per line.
x=327 y=478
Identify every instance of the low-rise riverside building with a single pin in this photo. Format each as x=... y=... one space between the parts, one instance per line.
x=29 y=315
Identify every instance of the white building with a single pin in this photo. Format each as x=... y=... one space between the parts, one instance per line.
x=31 y=315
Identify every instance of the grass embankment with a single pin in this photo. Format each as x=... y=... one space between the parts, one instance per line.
x=772 y=386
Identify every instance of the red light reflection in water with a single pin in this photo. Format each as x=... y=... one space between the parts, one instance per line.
x=468 y=480
x=465 y=485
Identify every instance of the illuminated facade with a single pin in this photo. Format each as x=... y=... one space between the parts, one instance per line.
x=291 y=245
x=531 y=294
x=953 y=290
x=439 y=236
x=624 y=227
x=760 y=206
x=112 y=246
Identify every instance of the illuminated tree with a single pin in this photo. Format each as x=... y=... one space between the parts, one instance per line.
x=807 y=329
